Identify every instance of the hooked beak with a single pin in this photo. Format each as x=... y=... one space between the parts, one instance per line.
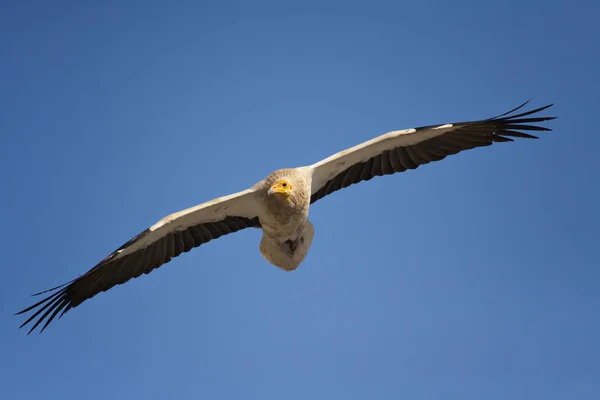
x=277 y=189
x=282 y=187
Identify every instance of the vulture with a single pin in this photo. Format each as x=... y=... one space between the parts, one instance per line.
x=279 y=205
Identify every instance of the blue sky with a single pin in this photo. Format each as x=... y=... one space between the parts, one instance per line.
x=474 y=277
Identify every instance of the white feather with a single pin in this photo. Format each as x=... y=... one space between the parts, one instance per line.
x=242 y=204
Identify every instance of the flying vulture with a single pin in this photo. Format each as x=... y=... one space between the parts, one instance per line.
x=280 y=203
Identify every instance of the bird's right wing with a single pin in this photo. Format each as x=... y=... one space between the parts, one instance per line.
x=157 y=245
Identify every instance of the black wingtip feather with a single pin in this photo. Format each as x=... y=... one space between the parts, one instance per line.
x=500 y=138
x=62 y=305
x=52 y=289
x=513 y=110
x=513 y=125
x=38 y=303
x=35 y=315
x=55 y=303
x=522 y=114
x=512 y=133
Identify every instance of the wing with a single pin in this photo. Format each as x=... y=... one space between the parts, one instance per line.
x=157 y=245
x=398 y=151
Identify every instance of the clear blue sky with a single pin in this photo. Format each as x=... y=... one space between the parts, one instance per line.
x=476 y=277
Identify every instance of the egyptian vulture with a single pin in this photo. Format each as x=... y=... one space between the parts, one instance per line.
x=279 y=205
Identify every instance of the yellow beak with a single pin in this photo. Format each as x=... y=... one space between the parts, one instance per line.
x=281 y=187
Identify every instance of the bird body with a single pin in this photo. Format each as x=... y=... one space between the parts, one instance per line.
x=287 y=233
x=280 y=203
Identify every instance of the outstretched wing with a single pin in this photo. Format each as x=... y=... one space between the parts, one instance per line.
x=157 y=245
x=398 y=151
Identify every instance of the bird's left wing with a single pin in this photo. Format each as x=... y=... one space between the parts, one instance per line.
x=157 y=245
x=398 y=151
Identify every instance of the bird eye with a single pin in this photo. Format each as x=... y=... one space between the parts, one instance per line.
x=284 y=184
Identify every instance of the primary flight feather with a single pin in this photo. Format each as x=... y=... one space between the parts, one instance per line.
x=279 y=205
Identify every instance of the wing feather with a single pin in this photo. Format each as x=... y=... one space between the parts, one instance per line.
x=152 y=248
x=398 y=151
